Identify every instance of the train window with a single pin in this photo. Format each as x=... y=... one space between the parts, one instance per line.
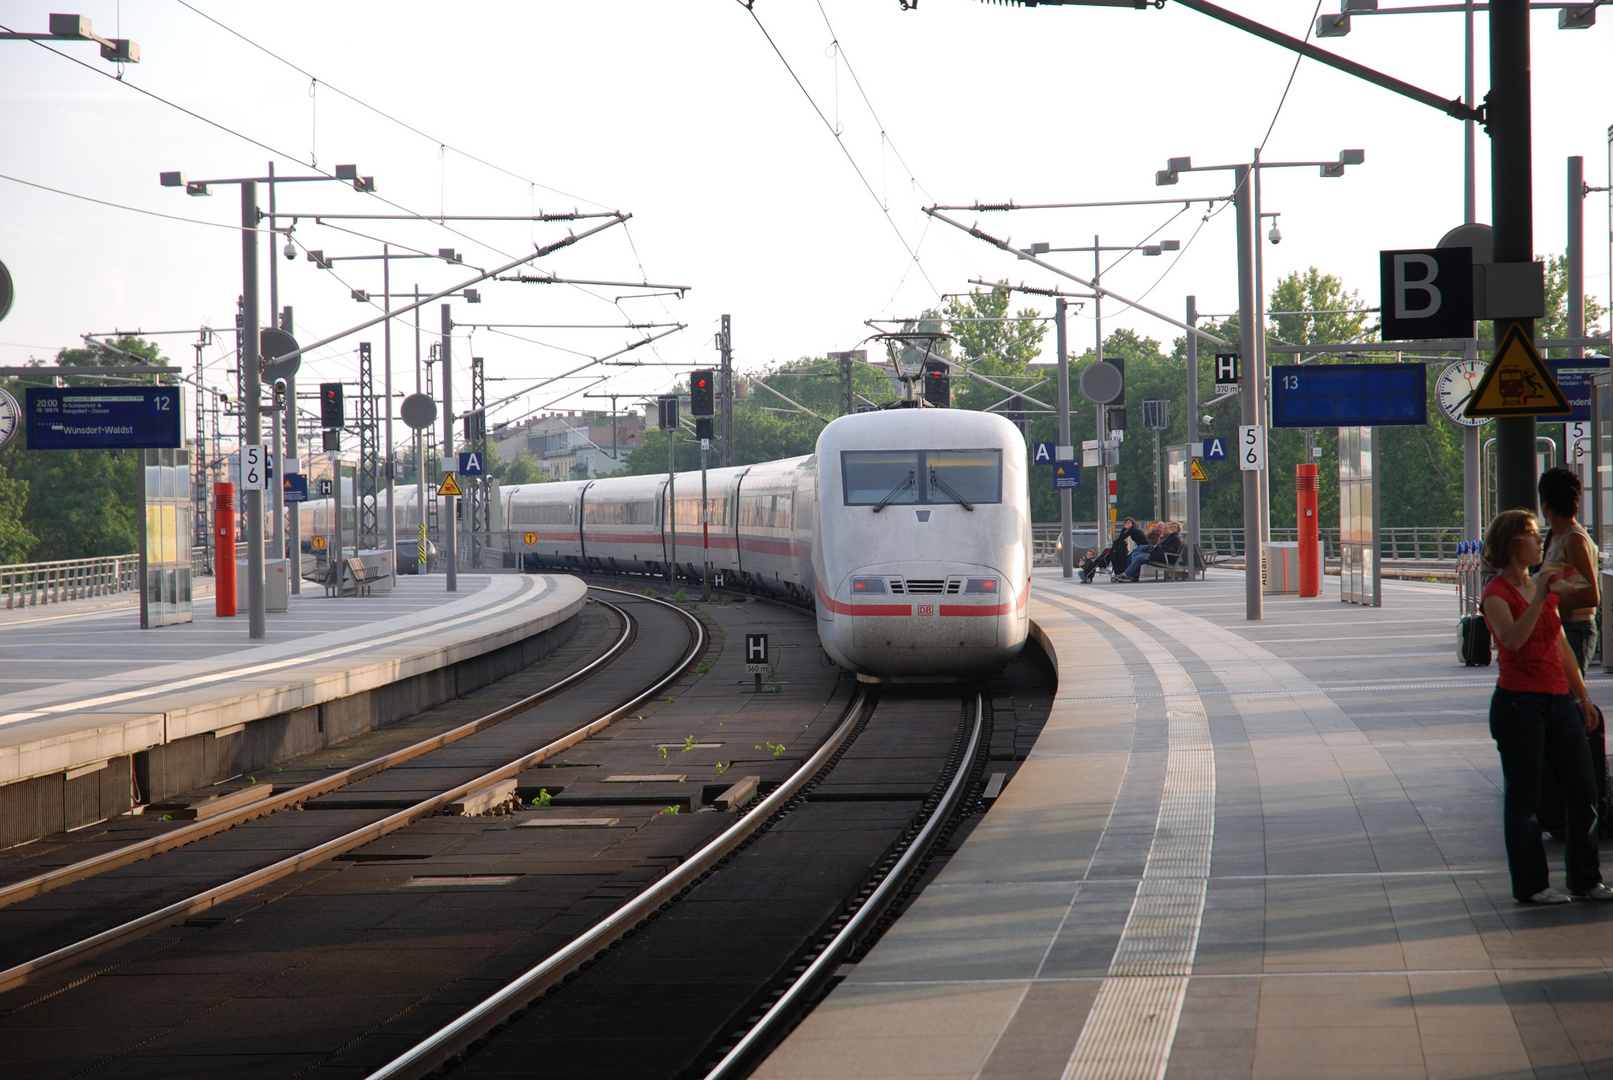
x=976 y=476
x=938 y=476
x=871 y=476
x=542 y=514
x=642 y=512
x=689 y=510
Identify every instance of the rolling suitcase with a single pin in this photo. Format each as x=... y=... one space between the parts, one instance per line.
x=1473 y=641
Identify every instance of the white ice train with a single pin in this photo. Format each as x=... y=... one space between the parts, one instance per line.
x=908 y=531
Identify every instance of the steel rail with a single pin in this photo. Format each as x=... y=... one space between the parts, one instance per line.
x=175 y=838
x=776 y=1021
x=473 y=1024
x=209 y=898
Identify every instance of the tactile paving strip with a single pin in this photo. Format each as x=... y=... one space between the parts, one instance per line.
x=1129 y=1031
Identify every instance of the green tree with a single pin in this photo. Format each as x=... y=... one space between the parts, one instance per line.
x=995 y=345
x=80 y=503
x=16 y=541
x=1555 y=324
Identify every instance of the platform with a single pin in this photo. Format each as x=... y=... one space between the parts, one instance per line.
x=81 y=683
x=1239 y=849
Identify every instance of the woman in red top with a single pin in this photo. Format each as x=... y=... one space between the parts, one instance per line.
x=1539 y=715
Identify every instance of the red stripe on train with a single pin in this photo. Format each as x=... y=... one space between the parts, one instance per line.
x=862 y=609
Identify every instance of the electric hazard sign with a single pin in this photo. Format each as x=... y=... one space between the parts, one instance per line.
x=1517 y=383
x=449 y=487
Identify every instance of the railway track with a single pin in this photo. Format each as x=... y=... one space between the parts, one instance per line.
x=509 y=1030
x=889 y=777
x=19 y=972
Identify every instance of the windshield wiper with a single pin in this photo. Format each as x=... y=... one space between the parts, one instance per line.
x=936 y=481
x=895 y=491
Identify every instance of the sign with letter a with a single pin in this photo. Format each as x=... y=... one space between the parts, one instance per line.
x=1426 y=293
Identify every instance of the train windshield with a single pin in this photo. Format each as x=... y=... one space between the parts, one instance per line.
x=875 y=476
x=969 y=476
x=904 y=477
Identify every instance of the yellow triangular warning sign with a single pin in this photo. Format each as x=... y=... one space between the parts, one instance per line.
x=449 y=486
x=1516 y=383
x=1198 y=471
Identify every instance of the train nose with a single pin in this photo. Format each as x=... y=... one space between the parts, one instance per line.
x=945 y=623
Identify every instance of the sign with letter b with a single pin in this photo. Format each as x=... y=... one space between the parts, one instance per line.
x=1426 y=293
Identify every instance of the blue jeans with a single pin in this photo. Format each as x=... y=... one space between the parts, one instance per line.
x=1581 y=639
x=1532 y=730
x=1138 y=557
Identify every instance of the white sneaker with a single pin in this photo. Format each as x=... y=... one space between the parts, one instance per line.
x=1595 y=892
x=1557 y=896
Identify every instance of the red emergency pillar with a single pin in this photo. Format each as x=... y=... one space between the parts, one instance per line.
x=224 y=550
x=1310 y=566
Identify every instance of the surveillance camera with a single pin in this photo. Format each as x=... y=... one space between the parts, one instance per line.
x=1207 y=419
x=280 y=386
x=1275 y=236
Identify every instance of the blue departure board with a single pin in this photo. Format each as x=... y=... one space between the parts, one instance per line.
x=103 y=418
x=1349 y=395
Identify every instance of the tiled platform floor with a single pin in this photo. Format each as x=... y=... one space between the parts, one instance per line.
x=81 y=681
x=1355 y=921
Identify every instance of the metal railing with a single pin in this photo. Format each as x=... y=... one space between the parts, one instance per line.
x=28 y=584
x=32 y=584
x=1417 y=543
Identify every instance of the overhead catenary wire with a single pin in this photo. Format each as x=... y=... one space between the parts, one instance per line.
x=379 y=111
x=883 y=209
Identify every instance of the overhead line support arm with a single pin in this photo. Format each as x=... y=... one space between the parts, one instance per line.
x=1002 y=245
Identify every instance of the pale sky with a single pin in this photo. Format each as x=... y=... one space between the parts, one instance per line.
x=683 y=115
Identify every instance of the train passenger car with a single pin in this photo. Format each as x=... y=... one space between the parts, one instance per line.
x=543 y=524
x=716 y=542
x=922 y=563
x=770 y=505
x=622 y=525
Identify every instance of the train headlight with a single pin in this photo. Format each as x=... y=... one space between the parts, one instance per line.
x=986 y=585
x=865 y=586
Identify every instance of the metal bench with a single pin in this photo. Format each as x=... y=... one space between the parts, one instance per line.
x=351 y=577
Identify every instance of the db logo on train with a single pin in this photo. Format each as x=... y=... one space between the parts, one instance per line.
x=530 y=538
x=318 y=543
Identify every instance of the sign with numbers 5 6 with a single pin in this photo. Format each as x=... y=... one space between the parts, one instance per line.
x=1251 y=447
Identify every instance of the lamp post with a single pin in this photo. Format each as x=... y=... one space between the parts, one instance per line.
x=1507 y=121
x=1251 y=339
x=1101 y=487
x=257 y=626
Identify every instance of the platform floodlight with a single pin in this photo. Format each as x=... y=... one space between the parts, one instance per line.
x=1346 y=157
x=1577 y=18
x=1332 y=26
x=197 y=187
x=450 y=255
x=1041 y=247
x=361 y=296
x=347 y=172
x=172 y=179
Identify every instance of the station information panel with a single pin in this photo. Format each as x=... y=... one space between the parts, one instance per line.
x=1349 y=395
x=103 y=418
